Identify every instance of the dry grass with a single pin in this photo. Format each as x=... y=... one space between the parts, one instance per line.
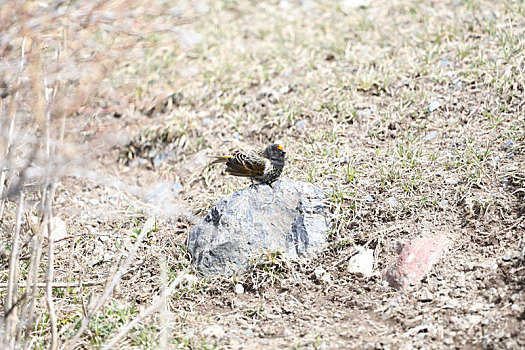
x=409 y=114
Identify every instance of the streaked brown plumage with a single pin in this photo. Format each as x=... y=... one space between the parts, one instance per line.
x=263 y=166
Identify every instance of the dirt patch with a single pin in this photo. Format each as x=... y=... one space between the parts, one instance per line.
x=409 y=114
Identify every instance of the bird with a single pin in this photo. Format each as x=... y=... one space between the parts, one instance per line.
x=262 y=165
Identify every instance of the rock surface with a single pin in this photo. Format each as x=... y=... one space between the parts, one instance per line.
x=415 y=261
x=362 y=264
x=291 y=218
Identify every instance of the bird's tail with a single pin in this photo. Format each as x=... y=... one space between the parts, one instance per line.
x=220 y=159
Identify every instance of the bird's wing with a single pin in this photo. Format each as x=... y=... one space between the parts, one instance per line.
x=251 y=163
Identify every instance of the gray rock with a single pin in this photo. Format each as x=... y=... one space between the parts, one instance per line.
x=291 y=218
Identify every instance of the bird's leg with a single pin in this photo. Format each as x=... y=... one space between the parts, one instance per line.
x=253 y=184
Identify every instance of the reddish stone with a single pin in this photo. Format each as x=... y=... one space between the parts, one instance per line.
x=415 y=261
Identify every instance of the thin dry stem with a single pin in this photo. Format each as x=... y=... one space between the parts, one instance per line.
x=156 y=305
x=48 y=216
x=28 y=308
x=164 y=313
x=9 y=140
x=109 y=289
x=60 y=284
x=50 y=268
x=13 y=278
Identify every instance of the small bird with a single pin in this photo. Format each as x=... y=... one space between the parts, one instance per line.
x=263 y=166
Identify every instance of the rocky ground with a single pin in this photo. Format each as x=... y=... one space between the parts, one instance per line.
x=409 y=114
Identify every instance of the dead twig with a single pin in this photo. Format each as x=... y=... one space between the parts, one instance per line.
x=28 y=313
x=50 y=268
x=10 y=305
x=60 y=284
x=164 y=313
x=109 y=289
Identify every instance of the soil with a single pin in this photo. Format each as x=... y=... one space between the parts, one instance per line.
x=409 y=114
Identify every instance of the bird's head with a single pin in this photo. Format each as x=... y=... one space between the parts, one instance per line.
x=275 y=152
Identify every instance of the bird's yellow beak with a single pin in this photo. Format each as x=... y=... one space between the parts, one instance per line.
x=280 y=148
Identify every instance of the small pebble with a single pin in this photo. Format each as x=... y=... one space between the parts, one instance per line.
x=215 y=331
x=508 y=145
x=319 y=272
x=433 y=106
x=452 y=180
x=342 y=160
x=326 y=278
x=239 y=289
x=366 y=112
x=300 y=124
x=117 y=290
x=58 y=228
x=176 y=188
x=445 y=63
x=285 y=89
x=191 y=280
x=350 y=5
x=285 y=5
x=474 y=319
x=92 y=263
x=430 y=136
x=321 y=275
x=362 y=264
x=369 y=198
x=392 y=201
x=424 y=295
